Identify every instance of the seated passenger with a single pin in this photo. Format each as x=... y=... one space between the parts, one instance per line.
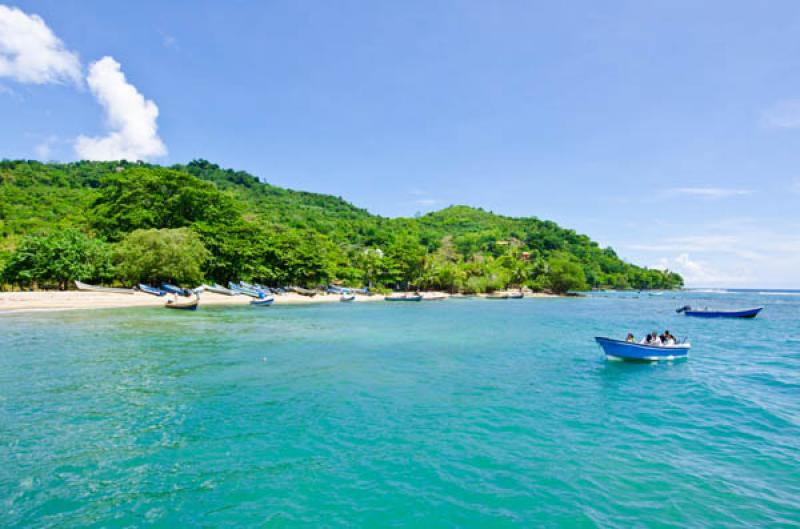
x=630 y=338
x=655 y=340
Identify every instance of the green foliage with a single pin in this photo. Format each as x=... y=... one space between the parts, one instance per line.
x=152 y=256
x=254 y=231
x=58 y=258
x=565 y=275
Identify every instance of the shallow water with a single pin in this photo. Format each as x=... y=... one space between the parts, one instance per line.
x=449 y=414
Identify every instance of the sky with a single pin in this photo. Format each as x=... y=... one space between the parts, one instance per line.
x=668 y=130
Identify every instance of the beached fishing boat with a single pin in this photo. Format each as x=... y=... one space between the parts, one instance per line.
x=347 y=297
x=246 y=291
x=303 y=291
x=498 y=295
x=147 y=289
x=620 y=349
x=711 y=313
x=183 y=305
x=108 y=290
x=172 y=289
x=435 y=297
x=403 y=297
x=266 y=302
x=217 y=289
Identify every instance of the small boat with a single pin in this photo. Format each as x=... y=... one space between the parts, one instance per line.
x=498 y=295
x=246 y=291
x=172 y=289
x=108 y=290
x=303 y=291
x=709 y=313
x=435 y=297
x=147 y=289
x=623 y=350
x=403 y=297
x=516 y=295
x=266 y=302
x=183 y=305
x=255 y=287
x=347 y=297
x=216 y=289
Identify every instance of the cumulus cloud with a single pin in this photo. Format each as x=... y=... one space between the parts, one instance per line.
x=31 y=53
x=131 y=118
x=698 y=273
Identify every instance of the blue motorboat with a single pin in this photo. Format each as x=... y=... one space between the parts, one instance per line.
x=172 y=289
x=711 y=313
x=266 y=302
x=147 y=289
x=623 y=350
x=246 y=291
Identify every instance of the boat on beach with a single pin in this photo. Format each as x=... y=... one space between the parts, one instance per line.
x=515 y=295
x=403 y=297
x=435 y=297
x=183 y=305
x=712 y=313
x=347 y=298
x=108 y=290
x=217 y=289
x=172 y=289
x=153 y=291
x=624 y=350
x=498 y=295
x=266 y=302
x=246 y=291
x=302 y=291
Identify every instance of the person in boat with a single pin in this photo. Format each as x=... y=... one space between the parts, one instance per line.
x=630 y=338
x=668 y=339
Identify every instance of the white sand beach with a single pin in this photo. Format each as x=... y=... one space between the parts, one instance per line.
x=50 y=300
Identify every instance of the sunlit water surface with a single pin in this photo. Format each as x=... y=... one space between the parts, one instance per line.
x=463 y=413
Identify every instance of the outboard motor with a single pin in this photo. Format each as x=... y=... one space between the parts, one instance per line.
x=683 y=309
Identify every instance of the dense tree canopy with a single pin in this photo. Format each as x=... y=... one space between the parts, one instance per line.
x=229 y=225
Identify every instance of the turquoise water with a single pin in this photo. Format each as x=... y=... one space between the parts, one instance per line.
x=463 y=413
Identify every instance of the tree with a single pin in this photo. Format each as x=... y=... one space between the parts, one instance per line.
x=148 y=197
x=59 y=258
x=564 y=275
x=151 y=256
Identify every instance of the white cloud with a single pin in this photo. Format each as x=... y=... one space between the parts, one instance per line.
x=31 y=53
x=131 y=118
x=709 y=192
x=697 y=273
x=783 y=115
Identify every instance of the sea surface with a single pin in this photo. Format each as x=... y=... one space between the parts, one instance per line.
x=463 y=413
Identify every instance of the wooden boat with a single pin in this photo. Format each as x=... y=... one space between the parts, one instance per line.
x=108 y=290
x=710 y=313
x=303 y=291
x=183 y=305
x=620 y=349
x=516 y=295
x=147 y=289
x=347 y=297
x=403 y=297
x=266 y=302
x=498 y=295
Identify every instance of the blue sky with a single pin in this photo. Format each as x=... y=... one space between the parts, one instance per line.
x=667 y=130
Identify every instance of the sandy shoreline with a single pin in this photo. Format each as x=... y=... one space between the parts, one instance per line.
x=78 y=300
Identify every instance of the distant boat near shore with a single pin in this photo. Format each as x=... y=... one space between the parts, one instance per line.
x=716 y=313
x=108 y=290
x=183 y=305
x=266 y=302
x=153 y=291
x=403 y=297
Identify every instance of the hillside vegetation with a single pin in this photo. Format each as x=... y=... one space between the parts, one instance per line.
x=120 y=222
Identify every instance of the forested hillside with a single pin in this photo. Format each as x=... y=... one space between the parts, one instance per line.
x=120 y=222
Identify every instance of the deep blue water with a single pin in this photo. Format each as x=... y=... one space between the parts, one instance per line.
x=463 y=413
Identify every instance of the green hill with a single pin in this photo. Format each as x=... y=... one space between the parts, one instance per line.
x=60 y=222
